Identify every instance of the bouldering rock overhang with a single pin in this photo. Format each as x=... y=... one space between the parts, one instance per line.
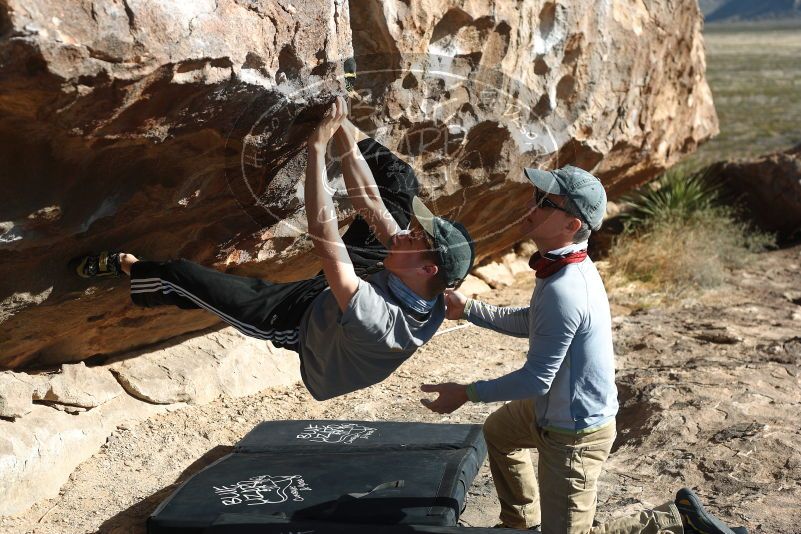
x=174 y=132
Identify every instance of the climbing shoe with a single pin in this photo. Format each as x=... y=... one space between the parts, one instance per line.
x=535 y=528
x=350 y=74
x=104 y=264
x=694 y=518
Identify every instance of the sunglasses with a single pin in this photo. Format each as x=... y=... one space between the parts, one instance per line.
x=542 y=201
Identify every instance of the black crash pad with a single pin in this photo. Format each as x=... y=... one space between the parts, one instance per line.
x=352 y=436
x=332 y=471
x=237 y=524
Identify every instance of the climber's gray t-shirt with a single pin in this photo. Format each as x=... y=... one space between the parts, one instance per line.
x=341 y=352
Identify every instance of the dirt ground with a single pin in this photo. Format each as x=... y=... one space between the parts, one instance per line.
x=709 y=388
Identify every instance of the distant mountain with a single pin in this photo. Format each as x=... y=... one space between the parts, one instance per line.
x=708 y=6
x=749 y=10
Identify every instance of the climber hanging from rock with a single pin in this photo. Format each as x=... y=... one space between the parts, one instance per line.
x=355 y=323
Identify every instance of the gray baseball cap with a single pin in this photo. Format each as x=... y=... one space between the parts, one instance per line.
x=452 y=243
x=585 y=190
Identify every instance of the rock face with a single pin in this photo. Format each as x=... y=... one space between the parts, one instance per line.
x=40 y=450
x=80 y=386
x=41 y=446
x=772 y=185
x=176 y=129
x=199 y=370
x=118 y=120
x=15 y=396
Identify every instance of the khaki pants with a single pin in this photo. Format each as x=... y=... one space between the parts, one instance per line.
x=568 y=470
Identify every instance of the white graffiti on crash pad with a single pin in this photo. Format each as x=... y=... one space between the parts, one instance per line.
x=336 y=433
x=263 y=489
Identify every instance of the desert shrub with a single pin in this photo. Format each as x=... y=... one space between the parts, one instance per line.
x=678 y=236
x=676 y=195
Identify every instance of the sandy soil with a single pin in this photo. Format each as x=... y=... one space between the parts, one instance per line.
x=709 y=389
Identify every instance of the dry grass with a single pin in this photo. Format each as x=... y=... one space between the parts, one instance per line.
x=678 y=240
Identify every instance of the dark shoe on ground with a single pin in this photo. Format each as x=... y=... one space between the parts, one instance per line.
x=694 y=518
x=535 y=528
x=104 y=264
x=739 y=530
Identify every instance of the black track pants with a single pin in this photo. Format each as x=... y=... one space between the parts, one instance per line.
x=255 y=307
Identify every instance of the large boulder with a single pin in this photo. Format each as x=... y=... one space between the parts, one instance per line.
x=768 y=188
x=176 y=129
x=119 y=121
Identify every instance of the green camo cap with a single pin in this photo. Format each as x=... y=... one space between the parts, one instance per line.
x=585 y=190
x=452 y=243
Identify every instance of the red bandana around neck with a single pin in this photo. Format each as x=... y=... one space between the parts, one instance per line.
x=545 y=267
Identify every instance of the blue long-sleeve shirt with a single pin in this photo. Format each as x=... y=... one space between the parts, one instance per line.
x=569 y=369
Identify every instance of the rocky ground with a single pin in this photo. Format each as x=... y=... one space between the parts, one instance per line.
x=709 y=389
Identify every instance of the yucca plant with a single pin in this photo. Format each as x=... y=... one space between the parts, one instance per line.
x=676 y=195
x=678 y=236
